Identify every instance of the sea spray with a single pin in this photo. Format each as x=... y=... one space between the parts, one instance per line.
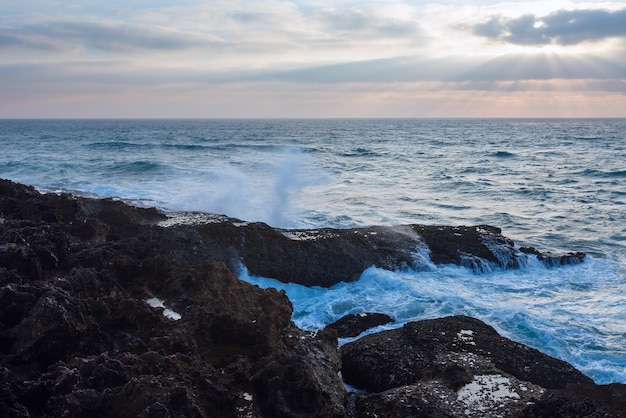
x=268 y=194
x=224 y=189
x=290 y=180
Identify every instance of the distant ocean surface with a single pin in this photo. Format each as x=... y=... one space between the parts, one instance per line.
x=557 y=185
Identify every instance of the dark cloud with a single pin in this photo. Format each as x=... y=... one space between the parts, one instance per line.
x=567 y=27
x=8 y=39
x=67 y=35
x=12 y=38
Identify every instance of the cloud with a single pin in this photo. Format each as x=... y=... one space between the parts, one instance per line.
x=482 y=73
x=222 y=34
x=16 y=39
x=366 y=23
x=565 y=27
x=312 y=57
x=66 y=35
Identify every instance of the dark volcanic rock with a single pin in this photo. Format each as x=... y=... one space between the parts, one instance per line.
x=550 y=259
x=324 y=257
x=407 y=355
x=100 y=315
x=581 y=400
x=455 y=366
x=354 y=324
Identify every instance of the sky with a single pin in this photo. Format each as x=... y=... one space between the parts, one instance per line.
x=311 y=59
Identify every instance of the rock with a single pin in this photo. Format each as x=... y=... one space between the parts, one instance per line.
x=291 y=388
x=327 y=256
x=30 y=248
x=423 y=349
x=405 y=401
x=551 y=259
x=486 y=395
x=354 y=324
x=471 y=246
x=580 y=400
x=321 y=257
x=448 y=366
x=100 y=315
x=50 y=330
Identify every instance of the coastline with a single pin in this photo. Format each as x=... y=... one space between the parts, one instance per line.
x=86 y=284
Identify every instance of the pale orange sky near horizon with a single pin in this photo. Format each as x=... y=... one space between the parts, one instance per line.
x=213 y=59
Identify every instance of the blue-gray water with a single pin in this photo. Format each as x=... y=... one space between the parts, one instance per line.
x=552 y=184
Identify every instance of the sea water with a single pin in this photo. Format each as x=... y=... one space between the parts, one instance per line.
x=558 y=185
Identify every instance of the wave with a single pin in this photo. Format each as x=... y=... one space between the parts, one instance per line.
x=603 y=174
x=359 y=152
x=185 y=147
x=125 y=145
x=562 y=316
x=619 y=173
x=136 y=167
x=503 y=154
x=115 y=145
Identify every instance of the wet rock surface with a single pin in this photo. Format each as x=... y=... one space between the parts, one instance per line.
x=327 y=256
x=355 y=324
x=460 y=366
x=109 y=310
x=421 y=349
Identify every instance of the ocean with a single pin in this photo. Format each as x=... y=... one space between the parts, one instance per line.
x=557 y=185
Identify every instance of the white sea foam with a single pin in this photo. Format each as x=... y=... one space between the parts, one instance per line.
x=155 y=303
x=560 y=311
x=192 y=218
x=486 y=394
x=168 y=313
x=307 y=234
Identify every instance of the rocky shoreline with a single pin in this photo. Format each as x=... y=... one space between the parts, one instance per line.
x=110 y=310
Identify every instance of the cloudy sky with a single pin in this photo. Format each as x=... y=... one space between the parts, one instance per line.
x=312 y=58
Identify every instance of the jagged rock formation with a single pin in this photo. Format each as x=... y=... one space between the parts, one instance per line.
x=459 y=366
x=112 y=310
x=98 y=318
x=327 y=256
x=354 y=324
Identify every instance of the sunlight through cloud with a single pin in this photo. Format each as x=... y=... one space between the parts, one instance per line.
x=84 y=51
